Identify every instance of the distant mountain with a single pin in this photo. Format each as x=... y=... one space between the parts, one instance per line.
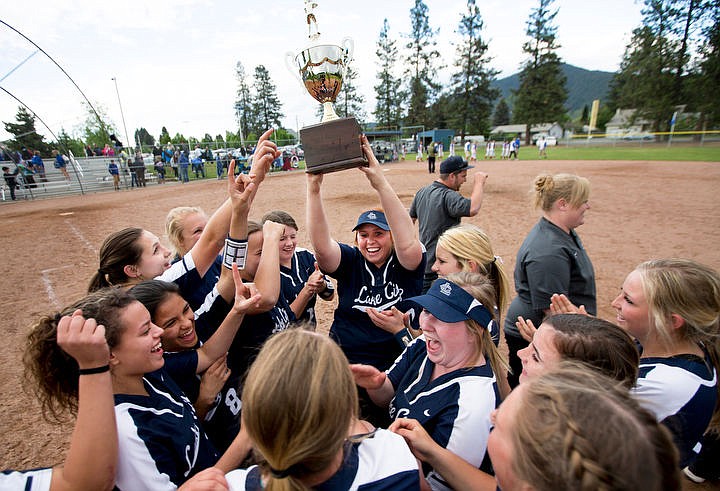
x=583 y=86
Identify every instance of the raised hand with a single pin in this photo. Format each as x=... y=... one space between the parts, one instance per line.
x=527 y=328
x=84 y=340
x=561 y=304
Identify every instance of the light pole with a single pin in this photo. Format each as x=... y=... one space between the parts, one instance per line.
x=121 y=111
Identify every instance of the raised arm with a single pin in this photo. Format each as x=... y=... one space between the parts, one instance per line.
x=327 y=250
x=222 y=338
x=212 y=239
x=95 y=436
x=267 y=276
x=478 y=192
x=407 y=246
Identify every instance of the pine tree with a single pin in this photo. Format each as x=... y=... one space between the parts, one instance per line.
x=350 y=100
x=420 y=65
x=502 y=113
x=164 y=136
x=542 y=94
x=708 y=73
x=645 y=81
x=265 y=104
x=243 y=103
x=657 y=71
x=473 y=95
x=389 y=97
x=145 y=138
x=25 y=133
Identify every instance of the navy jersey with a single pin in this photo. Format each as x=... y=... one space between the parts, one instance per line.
x=294 y=278
x=160 y=441
x=454 y=408
x=379 y=462
x=361 y=285
x=185 y=275
x=199 y=291
x=681 y=392
x=31 y=480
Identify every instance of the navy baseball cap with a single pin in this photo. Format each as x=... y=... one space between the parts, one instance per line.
x=450 y=303
x=373 y=217
x=454 y=164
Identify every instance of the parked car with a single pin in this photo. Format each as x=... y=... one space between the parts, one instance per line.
x=639 y=136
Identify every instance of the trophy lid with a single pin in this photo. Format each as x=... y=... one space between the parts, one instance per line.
x=313 y=32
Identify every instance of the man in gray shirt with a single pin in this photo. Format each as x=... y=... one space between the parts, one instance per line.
x=439 y=206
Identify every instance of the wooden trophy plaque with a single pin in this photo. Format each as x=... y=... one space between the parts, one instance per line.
x=332 y=146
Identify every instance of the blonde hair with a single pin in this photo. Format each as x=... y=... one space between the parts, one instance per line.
x=174 y=226
x=483 y=291
x=299 y=400
x=692 y=291
x=469 y=243
x=548 y=188
x=559 y=442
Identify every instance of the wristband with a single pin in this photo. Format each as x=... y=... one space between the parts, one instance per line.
x=404 y=337
x=93 y=371
x=235 y=252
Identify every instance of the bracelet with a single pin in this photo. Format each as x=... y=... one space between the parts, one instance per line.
x=235 y=252
x=93 y=371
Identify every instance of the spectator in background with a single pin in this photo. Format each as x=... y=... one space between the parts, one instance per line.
x=115 y=173
x=10 y=180
x=183 y=164
x=38 y=166
x=89 y=152
x=108 y=151
x=219 y=166
x=159 y=169
x=133 y=175
x=140 y=168
x=167 y=156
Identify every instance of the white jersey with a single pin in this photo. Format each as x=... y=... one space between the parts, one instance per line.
x=681 y=392
x=382 y=461
x=34 y=480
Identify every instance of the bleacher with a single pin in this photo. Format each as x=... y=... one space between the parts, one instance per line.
x=87 y=175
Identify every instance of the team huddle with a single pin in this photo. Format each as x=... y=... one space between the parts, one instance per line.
x=200 y=368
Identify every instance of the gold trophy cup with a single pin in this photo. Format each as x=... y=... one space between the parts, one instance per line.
x=334 y=143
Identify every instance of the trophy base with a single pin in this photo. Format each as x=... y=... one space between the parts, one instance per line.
x=332 y=146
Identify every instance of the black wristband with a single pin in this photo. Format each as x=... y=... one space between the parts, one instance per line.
x=93 y=371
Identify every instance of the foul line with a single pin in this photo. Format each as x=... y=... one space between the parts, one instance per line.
x=48 y=285
x=80 y=236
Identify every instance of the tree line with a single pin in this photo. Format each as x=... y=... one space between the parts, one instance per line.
x=673 y=59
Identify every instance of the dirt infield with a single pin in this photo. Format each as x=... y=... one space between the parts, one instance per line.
x=639 y=210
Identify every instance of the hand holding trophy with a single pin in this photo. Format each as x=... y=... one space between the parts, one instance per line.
x=334 y=144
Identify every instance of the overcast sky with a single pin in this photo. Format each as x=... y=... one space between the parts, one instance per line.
x=174 y=60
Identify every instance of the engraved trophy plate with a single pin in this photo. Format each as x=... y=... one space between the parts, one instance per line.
x=334 y=143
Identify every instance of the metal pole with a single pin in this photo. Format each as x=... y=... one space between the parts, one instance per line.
x=127 y=139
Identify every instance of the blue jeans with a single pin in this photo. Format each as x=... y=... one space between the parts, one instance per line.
x=134 y=180
x=219 y=170
x=184 y=173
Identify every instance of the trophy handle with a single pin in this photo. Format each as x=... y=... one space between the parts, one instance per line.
x=349 y=45
x=292 y=67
